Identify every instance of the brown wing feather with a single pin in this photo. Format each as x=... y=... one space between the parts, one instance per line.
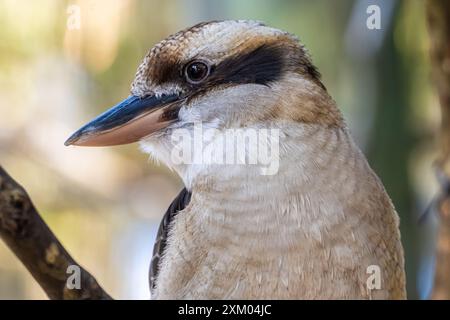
x=178 y=204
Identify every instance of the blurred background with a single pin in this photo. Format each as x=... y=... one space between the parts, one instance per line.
x=63 y=62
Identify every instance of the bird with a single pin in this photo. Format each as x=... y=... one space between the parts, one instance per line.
x=321 y=226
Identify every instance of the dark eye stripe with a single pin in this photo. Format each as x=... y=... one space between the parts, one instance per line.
x=262 y=66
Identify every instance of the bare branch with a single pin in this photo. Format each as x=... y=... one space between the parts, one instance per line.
x=27 y=235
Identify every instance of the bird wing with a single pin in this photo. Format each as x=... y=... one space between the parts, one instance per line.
x=178 y=204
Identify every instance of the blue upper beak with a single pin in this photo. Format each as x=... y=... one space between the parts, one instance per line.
x=126 y=122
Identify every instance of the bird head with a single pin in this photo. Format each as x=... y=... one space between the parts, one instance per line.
x=224 y=74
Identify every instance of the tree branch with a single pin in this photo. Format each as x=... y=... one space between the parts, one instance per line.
x=438 y=16
x=27 y=235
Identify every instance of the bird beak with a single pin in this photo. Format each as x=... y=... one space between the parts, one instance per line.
x=126 y=122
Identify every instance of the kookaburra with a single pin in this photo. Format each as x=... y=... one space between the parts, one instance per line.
x=321 y=227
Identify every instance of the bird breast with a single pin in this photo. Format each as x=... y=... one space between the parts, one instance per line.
x=310 y=231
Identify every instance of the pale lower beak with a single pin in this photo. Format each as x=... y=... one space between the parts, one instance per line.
x=127 y=122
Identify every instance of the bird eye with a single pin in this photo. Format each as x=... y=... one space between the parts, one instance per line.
x=196 y=71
